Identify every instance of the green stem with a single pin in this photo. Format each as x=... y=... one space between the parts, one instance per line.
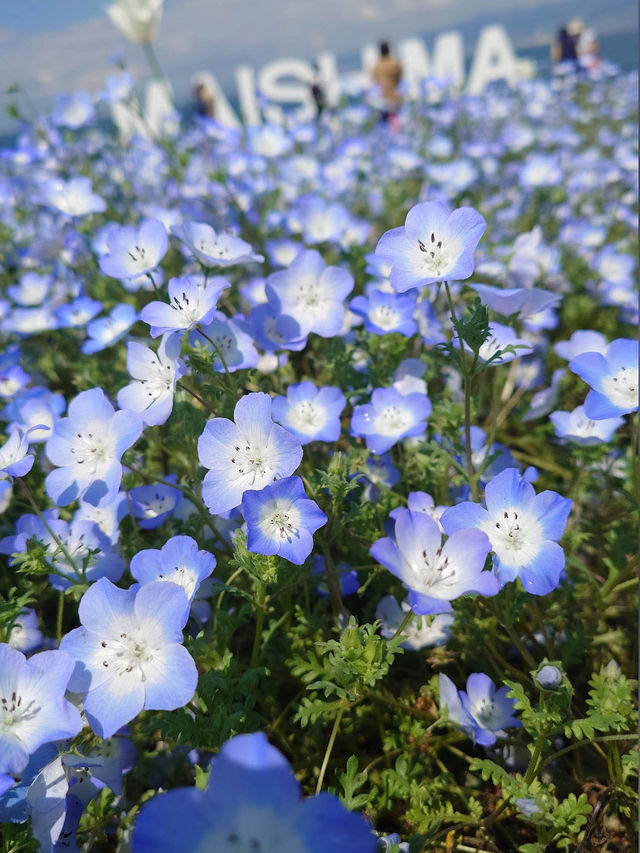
x=581 y=743
x=261 y=594
x=217 y=351
x=333 y=584
x=196 y=396
x=633 y=429
x=59 y=615
x=407 y=619
x=153 y=282
x=327 y=754
x=56 y=539
x=524 y=652
x=532 y=769
x=467 y=378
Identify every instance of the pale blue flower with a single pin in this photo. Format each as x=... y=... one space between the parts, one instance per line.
x=252 y=802
x=87 y=445
x=247 y=454
x=129 y=653
x=33 y=710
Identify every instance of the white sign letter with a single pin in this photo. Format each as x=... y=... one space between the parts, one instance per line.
x=493 y=59
x=271 y=85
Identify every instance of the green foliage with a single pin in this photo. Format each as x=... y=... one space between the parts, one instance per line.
x=351 y=782
x=346 y=667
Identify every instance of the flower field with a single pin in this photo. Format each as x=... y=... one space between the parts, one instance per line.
x=319 y=478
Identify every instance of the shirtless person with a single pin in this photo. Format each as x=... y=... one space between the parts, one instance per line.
x=387 y=73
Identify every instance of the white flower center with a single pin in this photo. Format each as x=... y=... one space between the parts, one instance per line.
x=385 y=317
x=585 y=426
x=14 y=709
x=155 y=506
x=139 y=260
x=308 y=296
x=622 y=387
x=485 y=713
x=126 y=653
x=213 y=248
x=515 y=536
x=436 y=255
x=161 y=381
x=280 y=520
x=253 y=463
x=184 y=576
x=307 y=417
x=188 y=309
x=90 y=450
x=253 y=830
x=392 y=421
x=433 y=571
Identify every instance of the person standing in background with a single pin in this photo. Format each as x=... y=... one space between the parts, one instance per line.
x=589 y=49
x=387 y=73
x=317 y=91
x=203 y=94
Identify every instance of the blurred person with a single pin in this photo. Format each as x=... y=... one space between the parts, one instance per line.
x=567 y=45
x=317 y=91
x=387 y=73
x=203 y=89
x=588 y=49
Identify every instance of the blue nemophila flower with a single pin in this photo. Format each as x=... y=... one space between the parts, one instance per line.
x=91 y=551
x=106 y=331
x=523 y=528
x=153 y=504
x=74 y=197
x=420 y=632
x=228 y=341
x=346 y=576
x=33 y=710
x=12 y=379
x=150 y=395
x=87 y=446
x=423 y=502
x=252 y=802
x=25 y=634
x=35 y=411
x=481 y=711
x=435 y=244
x=31 y=290
x=584 y=340
x=129 y=653
x=134 y=251
x=247 y=454
x=499 y=338
x=14 y=806
x=273 y=330
x=384 y=313
x=281 y=520
x=178 y=561
x=390 y=417
x=191 y=302
x=73 y=110
x=523 y=301
x=15 y=461
x=214 y=249
x=311 y=293
x=613 y=377
x=432 y=572
x=310 y=413
x=78 y=312
x=577 y=428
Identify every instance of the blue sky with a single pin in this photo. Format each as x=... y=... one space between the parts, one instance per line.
x=50 y=46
